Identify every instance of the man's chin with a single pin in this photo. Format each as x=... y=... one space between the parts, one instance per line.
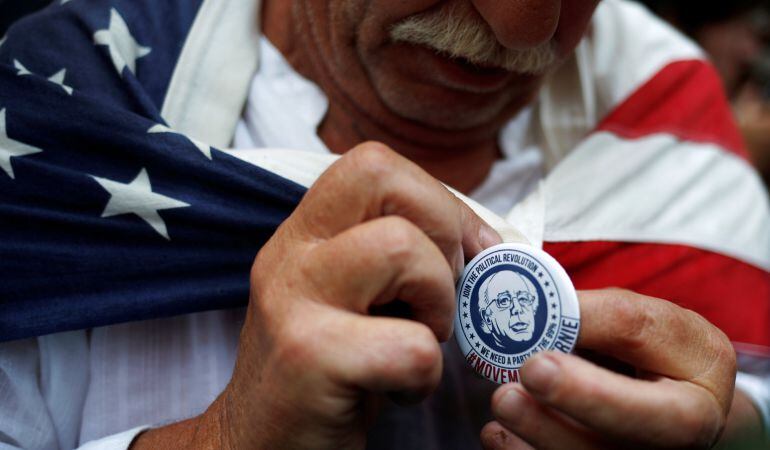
x=519 y=336
x=442 y=108
x=447 y=117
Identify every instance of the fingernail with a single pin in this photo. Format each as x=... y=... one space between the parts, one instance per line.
x=539 y=374
x=488 y=237
x=512 y=404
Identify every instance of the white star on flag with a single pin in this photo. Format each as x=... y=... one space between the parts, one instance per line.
x=10 y=148
x=138 y=198
x=57 y=78
x=204 y=148
x=21 y=69
x=124 y=50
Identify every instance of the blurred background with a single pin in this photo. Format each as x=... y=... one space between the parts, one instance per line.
x=735 y=34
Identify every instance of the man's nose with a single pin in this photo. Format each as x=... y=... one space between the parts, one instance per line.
x=521 y=24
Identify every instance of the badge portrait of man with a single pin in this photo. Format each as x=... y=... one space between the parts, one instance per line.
x=508 y=305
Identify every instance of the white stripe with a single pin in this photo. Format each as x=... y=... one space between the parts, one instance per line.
x=656 y=189
x=304 y=168
x=630 y=46
x=528 y=216
x=625 y=48
x=659 y=189
x=298 y=166
x=211 y=79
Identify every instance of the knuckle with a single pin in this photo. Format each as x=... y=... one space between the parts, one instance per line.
x=724 y=358
x=372 y=160
x=721 y=365
x=422 y=355
x=566 y=390
x=259 y=263
x=258 y=286
x=633 y=318
x=400 y=239
x=296 y=347
x=274 y=252
x=372 y=147
x=720 y=346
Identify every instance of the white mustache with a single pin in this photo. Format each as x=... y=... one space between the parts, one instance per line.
x=458 y=31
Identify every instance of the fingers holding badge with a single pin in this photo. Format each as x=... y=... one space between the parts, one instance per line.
x=517 y=320
x=514 y=301
x=680 y=399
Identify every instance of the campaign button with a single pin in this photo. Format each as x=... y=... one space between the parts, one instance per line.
x=513 y=301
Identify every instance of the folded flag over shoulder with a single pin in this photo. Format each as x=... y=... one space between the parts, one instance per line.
x=106 y=214
x=109 y=214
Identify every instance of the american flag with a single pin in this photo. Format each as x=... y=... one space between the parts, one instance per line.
x=108 y=214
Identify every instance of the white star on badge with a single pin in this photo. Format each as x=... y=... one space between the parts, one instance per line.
x=205 y=149
x=57 y=78
x=10 y=148
x=138 y=198
x=124 y=50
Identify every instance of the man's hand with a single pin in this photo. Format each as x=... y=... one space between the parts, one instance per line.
x=313 y=353
x=680 y=398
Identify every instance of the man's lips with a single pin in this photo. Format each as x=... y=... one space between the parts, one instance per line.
x=456 y=73
x=518 y=327
x=475 y=67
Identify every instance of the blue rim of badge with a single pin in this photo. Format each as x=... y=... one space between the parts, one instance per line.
x=513 y=301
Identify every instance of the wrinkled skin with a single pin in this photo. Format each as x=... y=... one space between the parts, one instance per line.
x=377 y=227
x=439 y=113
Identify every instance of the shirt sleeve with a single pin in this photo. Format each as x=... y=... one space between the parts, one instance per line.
x=42 y=388
x=24 y=418
x=120 y=441
x=43 y=385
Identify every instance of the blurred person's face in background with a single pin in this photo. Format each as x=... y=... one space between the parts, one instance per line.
x=733 y=45
x=453 y=64
x=736 y=47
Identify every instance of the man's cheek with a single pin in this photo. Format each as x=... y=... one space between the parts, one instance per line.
x=502 y=321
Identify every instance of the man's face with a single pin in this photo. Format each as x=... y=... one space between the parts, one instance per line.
x=452 y=64
x=512 y=314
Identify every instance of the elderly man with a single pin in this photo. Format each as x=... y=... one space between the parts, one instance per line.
x=594 y=129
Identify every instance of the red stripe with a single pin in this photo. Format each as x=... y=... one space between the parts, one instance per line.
x=732 y=295
x=685 y=99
